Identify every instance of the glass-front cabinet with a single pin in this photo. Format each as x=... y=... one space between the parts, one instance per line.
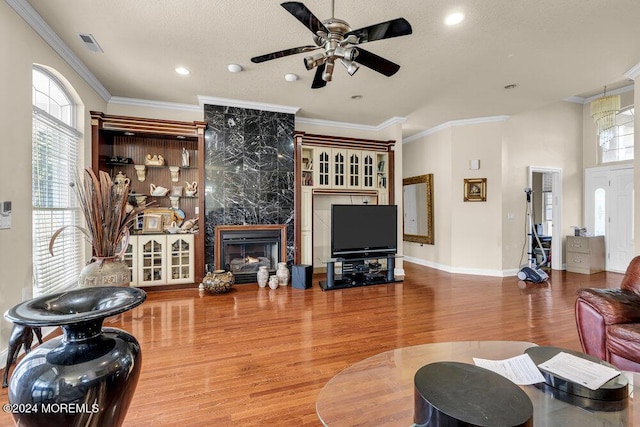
x=345 y=169
x=180 y=258
x=159 y=259
x=151 y=260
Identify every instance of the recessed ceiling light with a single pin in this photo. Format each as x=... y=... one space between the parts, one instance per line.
x=290 y=77
x=234 y=68
x=454 y=18
x=183 y=71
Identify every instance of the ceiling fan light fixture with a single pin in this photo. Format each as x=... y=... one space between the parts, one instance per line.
x=310 y=62
x=351 y=66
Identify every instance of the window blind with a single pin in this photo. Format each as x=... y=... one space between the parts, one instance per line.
x=54 y=163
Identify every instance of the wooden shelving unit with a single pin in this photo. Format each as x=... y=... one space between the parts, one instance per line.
x=116 y=138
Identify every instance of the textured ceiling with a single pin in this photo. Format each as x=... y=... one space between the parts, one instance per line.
x=551 y=49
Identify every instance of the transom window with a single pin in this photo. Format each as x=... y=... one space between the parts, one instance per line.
x=621 y=145
x=55 y=158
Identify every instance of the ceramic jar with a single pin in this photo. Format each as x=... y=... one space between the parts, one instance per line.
x=273 y=282
x=218 y=282
x=262 y=276
x=283 y=274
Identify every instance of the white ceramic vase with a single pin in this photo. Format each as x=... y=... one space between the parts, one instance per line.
x=262 y=276
x=273 y=282
x=283 y=274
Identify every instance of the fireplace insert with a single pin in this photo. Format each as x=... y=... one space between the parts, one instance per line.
x=244 y=249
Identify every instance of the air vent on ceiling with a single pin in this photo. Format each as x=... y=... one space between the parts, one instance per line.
x=90 y=42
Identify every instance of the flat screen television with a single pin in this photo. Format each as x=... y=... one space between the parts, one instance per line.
x=363 y=230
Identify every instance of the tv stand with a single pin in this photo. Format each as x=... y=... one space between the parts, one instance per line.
x=358 y=274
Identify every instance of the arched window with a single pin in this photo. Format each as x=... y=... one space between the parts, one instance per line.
x=55 y=158
x=620 y=146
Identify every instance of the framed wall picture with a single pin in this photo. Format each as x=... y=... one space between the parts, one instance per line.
x=475 y=189
x=152 y=223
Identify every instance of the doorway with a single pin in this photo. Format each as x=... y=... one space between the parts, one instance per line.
x=547 y=206
x=608 y=204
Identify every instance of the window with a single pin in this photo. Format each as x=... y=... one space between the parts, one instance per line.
x=55 y=157
x=620 y=145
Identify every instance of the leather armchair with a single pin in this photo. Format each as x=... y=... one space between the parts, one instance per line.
x=608 y=321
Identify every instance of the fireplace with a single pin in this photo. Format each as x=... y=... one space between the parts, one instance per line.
x=242 y=249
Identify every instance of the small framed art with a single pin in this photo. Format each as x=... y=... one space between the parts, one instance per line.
x=152 y=223
x=475 y=189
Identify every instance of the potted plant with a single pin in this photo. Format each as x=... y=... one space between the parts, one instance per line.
x=108 y=219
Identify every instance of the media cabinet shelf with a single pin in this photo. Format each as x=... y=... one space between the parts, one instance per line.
x=359 y=278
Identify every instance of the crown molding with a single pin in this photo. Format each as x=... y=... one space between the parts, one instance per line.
x=634 y=72
x=154 y=104
x=35 y=21
x=454 y=123
x=226 y=102
x=355 y=126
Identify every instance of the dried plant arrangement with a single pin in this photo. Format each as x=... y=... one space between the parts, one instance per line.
x=104 y=206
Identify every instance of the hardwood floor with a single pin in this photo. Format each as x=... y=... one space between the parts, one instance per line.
x=259 y=357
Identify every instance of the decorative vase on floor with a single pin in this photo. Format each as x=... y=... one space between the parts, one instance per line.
x=88 y=376
x=107 y=271
x=262 y=276
x=283 y=274
x=273 y=282
x=218 y=282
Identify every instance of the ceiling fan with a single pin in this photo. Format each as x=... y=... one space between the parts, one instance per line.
x=339 y=43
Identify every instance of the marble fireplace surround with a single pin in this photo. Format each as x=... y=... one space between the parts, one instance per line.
x=248 y=173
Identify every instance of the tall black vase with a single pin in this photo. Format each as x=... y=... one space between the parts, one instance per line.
x=87 y=376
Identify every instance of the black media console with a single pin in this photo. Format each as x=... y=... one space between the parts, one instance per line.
x=359 y=272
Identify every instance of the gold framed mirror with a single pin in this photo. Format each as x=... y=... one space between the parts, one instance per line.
x=417 y=204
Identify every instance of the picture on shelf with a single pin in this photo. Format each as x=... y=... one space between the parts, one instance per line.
x=152 y=223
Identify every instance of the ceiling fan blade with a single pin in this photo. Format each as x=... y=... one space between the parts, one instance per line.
x=282 y=53
x=375 y=62
x=304 y=15
x=384 y=30
x=318 y=82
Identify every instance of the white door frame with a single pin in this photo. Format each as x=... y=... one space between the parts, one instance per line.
x=557 y=255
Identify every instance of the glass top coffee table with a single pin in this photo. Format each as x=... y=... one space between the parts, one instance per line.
x=379 y=390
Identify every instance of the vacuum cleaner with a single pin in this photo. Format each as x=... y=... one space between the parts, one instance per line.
x=532 y=272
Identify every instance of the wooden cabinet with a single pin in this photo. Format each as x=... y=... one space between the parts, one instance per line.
x=121 y=144
x=337 y=166
x=161 y=259
x=585 y=254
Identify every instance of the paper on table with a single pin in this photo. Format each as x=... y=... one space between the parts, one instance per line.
x=579 y=370
x=520 y=369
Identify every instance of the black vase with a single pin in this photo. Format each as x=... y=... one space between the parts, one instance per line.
x=87 y=376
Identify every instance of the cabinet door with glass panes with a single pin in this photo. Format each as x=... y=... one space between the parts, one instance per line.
x=339 y=168
x=151 y=260
x=369 y=164
x=322 y=167
x=130 y=257
x=179 y=258
x=354 y=169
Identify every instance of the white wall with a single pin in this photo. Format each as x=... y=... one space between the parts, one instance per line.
x=20 y=48
x=479 y=237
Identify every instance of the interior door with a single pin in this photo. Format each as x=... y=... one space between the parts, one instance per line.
x=609 y=211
